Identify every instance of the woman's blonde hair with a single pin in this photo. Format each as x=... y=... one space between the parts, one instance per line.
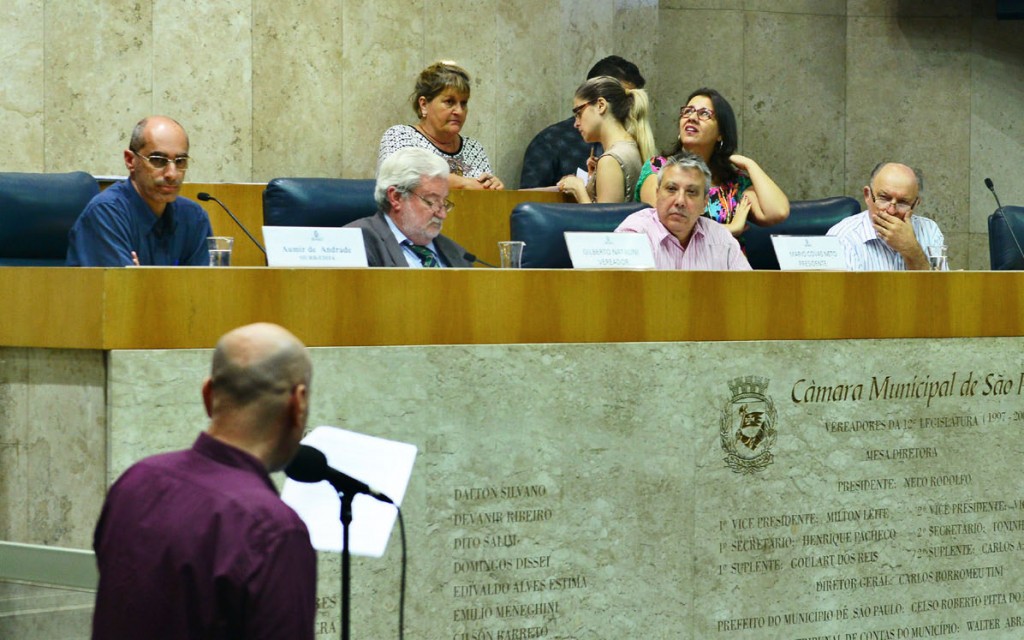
x=629 y=106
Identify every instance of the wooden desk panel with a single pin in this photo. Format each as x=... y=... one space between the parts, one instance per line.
x=478 y=222
x=246 y=202
x=51 y=307
x=190 y=307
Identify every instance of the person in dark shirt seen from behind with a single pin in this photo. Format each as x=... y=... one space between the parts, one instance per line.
x=197 y=543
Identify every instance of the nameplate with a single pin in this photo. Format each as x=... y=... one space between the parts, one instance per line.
x=589 y=250
x=809 y=253
x=314 y=247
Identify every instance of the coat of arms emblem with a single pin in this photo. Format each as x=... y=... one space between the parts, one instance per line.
x=747 y=427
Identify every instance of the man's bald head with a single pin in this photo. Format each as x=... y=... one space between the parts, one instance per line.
x=258 y=363
x=146 y=128
x=257 y=395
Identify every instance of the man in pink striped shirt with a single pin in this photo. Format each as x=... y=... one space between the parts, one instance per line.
x=681 y=236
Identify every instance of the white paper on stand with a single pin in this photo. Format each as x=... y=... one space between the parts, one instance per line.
x=385 y=465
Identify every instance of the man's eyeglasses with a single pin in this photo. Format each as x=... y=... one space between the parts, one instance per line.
x=161 y=162
x=578 y=111
x=703 y=113
x=884 y=202
x=447 y=204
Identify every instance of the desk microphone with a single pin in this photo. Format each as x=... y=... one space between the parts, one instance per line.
x=310 y=465
x=470 y=257
x=1006 y=221
x=205 y=197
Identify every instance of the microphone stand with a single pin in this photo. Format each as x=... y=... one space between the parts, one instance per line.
x=346 y=562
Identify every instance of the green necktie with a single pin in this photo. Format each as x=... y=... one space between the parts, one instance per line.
x=425 y=255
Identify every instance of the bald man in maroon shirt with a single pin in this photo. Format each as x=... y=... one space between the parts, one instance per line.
x=197 y=543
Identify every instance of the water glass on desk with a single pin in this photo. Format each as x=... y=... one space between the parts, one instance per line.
x=937 y=257
x=220 y=250
x=511 y=253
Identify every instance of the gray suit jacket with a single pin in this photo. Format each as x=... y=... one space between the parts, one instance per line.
x=382 y=250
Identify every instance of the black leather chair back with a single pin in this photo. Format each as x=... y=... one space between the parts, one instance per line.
x=541 y=226
x=1005 y=233
x=36 y=212
x=806 y=218
x=317 y=202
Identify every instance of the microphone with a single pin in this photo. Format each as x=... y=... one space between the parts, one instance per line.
x=1009 y=227
x=310 y=465
x=470 y=257
x=205 y=197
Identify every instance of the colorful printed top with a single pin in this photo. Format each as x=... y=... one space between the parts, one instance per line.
x=722 y=199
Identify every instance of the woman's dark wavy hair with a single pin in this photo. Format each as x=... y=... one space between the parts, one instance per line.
x=721 y=169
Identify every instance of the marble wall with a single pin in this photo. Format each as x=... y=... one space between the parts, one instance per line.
x=822 y=88
x=53 y=441
x=622 y=501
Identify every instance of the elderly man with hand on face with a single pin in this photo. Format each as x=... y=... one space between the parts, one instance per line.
x=680 y=235
x=142 y=221
x=888 y=236
x=412 y=193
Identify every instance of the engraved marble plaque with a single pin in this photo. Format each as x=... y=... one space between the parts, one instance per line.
x=842 y=490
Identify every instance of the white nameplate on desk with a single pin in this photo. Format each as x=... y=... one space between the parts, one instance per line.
x=589 y=250
x=809 y=253
x=314 y=247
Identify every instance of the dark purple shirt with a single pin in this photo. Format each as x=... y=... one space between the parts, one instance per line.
x=197 y=544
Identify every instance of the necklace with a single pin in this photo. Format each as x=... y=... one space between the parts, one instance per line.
x=450 y=147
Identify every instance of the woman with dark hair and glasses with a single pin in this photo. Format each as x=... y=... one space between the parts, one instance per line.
x=608 y=112
x=740 y=189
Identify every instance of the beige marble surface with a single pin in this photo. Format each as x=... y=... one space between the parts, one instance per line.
x=622 y=448
x=716 y=63
x=52 y=445
x=585 y=481
x=796 y=109
x=297 y=89
x=21 y=100
x=32 y=612
x=202 y=72
x=98 y=82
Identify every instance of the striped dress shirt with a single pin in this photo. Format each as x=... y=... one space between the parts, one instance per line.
x=711 y=246
x=865 y=251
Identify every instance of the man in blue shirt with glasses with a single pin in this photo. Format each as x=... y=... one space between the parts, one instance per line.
x=142 y=221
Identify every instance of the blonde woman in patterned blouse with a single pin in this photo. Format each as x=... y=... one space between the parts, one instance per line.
x=741 y=191
x=441 y=102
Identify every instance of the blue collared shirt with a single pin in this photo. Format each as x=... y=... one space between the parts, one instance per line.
x=118 y=221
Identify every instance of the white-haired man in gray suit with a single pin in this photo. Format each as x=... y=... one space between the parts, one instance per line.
x=412 y=193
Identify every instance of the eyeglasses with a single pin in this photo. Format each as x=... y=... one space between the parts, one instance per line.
x=884 y=202
x=447 y=204
x=703 y=113
x=161 y=162
x=578 y=111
